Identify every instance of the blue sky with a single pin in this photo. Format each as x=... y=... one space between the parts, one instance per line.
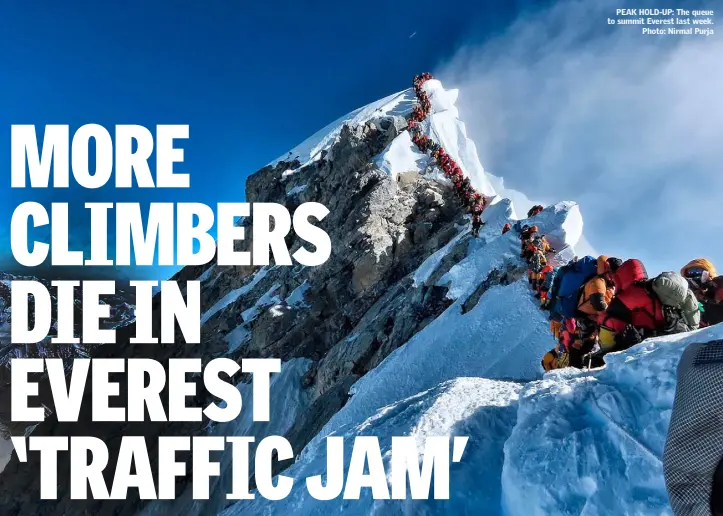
x=254 y=79
x=251 y=79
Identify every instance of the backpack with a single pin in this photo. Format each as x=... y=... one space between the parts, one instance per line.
x=538 y=262
x=541 y=244
x=571 y=278
x=671 y=288
x=675 y=322
x=683 y=311
x=629 y=273
x=555 y=290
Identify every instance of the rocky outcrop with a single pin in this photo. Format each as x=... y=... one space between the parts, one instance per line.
x=121 y=314
x=381 y=230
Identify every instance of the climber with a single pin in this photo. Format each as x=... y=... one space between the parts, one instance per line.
x=568 y=281
x=527 y=231
x=547 y=277
x=699 y=272
x=477 y=224
x=594 y=298
x=526 y=241
x=707 y=286
x=576 y=339
x=555 y=359
x=712 y=307
x=477 y=198
x=506 y=228
x=710 y=295
x=681 y=308
x=541 y=244
x=537 y=263
x=555 y=326
x=635 y=313
x=534 y=210
x=579 y=337
x=521 y=229
x=597 y=292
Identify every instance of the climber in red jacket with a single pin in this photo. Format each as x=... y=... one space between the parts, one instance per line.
x=635 y=313
x=535 y=210
x=506 y=228
x=526 y=237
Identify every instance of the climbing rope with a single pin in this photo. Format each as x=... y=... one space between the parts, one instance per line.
x=474 y=201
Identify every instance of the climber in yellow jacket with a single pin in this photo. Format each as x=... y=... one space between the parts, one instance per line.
x=707 y=286
x=699 y=273
x=596 y=296
x=599 y=291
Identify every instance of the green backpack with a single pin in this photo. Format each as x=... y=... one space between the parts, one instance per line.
x=672 y=290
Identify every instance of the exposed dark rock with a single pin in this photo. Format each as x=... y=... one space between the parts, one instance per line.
x=496 y=277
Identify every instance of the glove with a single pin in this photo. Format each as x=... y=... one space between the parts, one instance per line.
x=630 y=336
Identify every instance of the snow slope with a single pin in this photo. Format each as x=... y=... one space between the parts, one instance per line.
x=592 y=443
x=574 y=442
x=402 y=156
x=464 y=406
x=310 y=150
x=503 y=336
x=288 y=401
x=234 y=294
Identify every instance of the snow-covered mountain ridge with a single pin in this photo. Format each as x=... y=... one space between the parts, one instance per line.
x=415 y=328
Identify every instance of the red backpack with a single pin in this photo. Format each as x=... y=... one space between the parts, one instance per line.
x=628 y=274
x=646 y=310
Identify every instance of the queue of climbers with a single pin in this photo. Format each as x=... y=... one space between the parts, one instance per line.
x=596 y=305
x=470 y=198
x=535 y=250
x=604 y=304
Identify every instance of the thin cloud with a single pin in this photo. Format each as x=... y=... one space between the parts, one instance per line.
x=564 y=106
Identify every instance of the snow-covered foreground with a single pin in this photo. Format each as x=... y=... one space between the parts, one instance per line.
x=574 y=442
x=460 y=407
x=592 y=443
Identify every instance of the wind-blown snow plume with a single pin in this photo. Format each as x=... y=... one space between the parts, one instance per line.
x=565 y=106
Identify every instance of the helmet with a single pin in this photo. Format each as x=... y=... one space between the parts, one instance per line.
x=549 y=361
x=699 y=263
x=614 y=263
